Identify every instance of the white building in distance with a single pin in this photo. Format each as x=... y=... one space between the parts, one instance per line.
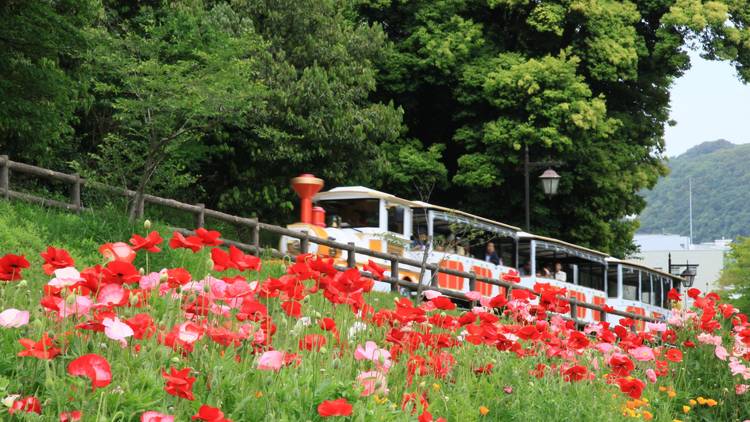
x=655 y=250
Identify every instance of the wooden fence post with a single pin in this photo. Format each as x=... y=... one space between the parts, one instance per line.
x=351 y=260
x=256 y=237
x=5 y=176
x=139 y=211
x=472 y=281
x=75 y=193
x=573 y=310
x=603 y=316
x=200 y=216
x=304 y=242
x=394 y=275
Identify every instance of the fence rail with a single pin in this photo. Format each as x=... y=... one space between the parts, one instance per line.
x=201 y=212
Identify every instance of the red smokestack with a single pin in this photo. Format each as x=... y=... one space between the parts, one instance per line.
x=306 y=186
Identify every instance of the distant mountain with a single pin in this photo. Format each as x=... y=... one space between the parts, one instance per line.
x=720 y=173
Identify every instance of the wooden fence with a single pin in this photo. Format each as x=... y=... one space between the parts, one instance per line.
x=201 y=212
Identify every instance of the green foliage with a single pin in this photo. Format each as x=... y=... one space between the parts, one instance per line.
x=581 y=82
x=43 y=76
x=719 y=175
x=735 y=277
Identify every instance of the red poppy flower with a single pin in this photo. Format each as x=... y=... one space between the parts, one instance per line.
x=191 y=242
x=328 y=324
x=673 y=294
x=633 y=387
x=118 y=251
x=221 y=260
x=674 y=355
x=693 y=293
x=427 y=417
x=177 y=277
x=94 y=367
x=11 y=266
x=575 y=373
x=55 y=259
x=28 y=404
x=42 y=349
x=149 y=243
x=208 y=237
x=338 y=407
x=312 y=341
x=73 y=416
x=498 y=301
x=179 y=383
x=376 y=270
x=143 y=326
x=443 y=302
x=621 y=365
x=120 y=272
x=210 y=414
x=244 y=261
x=577 y=341
x=292 y=308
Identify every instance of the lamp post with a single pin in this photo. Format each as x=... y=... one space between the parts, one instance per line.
x=550 y=180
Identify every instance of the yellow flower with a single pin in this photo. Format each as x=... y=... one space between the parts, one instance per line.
x=258 y=394
x=380 y=400
x=436 y=387
x=483 y=410
x=692 y=402
x=676 y=420
x=671 y=394
x=685 y=409
x=662 y=388
x=711 y=402
x=701 y=400
x=647 y=415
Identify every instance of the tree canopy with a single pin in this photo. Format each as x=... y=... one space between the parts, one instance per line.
x=223 y=101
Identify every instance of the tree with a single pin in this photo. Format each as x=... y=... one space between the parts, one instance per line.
x=317 y=117
x=44 y=78
x=585 y=82
x=735 y=277
x=172 y=75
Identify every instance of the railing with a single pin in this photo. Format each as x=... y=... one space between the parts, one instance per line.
x=201 y=212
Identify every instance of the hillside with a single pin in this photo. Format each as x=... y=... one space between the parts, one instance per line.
x=720 y=173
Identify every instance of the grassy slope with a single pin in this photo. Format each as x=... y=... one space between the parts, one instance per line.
x=292 y=394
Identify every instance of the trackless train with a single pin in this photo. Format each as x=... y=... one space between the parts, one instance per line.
x=382 y=222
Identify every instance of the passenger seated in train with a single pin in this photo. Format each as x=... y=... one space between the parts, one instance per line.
x=525 y=270
x=560 y=275
x=490 y=255
x=544 y=271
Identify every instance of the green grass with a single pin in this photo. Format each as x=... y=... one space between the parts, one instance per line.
x=227 y=377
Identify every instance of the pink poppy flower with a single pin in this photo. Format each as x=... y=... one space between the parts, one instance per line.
x=721 y=352
x=658 y=327
x=372 y=382
x=65 y=277
x=272 y=360
x=80 y=306
x=117 y=330
x=431 y=294
x=13 y=318
x=112 y=294
x=643 y=353
x=94 y=367
x=372 y=352
x=706 y=338
x=738 y=368
x=473 y=295
x=150 y=281
x=741 y=389
x=651 y=375
x=152 y=416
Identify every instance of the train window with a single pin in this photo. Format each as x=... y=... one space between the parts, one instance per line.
x=629 y=283
x=658 y=299
x=591 y=276
x=647 y=292
x=348 y=213
x=665 y=288
x=612 y=281
x=396 y=219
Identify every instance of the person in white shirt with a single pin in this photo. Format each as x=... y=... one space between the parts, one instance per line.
x=560 y=275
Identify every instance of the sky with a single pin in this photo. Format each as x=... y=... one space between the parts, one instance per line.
x=708 y=103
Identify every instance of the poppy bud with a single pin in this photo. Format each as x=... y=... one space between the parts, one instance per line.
x=133 y=300
x=142 y=271
x=163 y=277
x=323 y=349
x=175 y=359
x=147 y=224
x=23 y=283
x=37 y=324
x=70 y=299
x=8 y=401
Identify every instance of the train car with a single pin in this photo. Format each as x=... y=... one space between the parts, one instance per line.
x=458 y=240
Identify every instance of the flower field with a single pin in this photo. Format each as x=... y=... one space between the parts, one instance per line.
x=164 y=327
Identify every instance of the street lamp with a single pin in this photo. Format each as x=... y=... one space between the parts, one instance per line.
x=550 y=181
x=689 y=276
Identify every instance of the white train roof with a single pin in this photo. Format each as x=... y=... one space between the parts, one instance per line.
x=641 y=266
